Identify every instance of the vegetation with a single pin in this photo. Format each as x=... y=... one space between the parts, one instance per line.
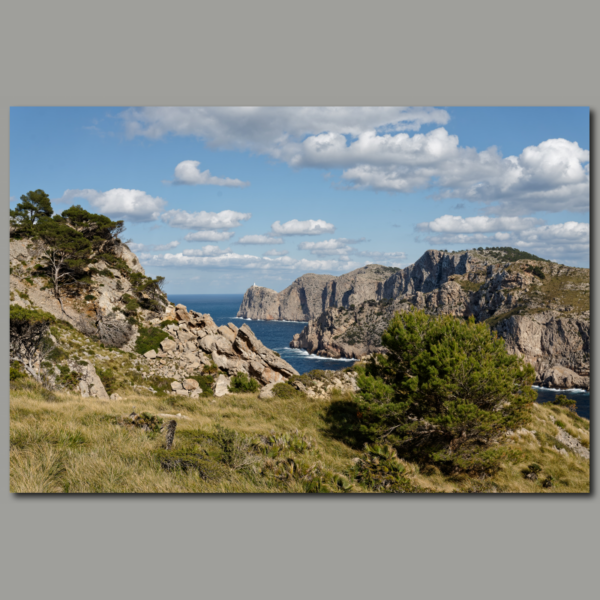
x=77 y=445
x=242 y=383
x=444 y=393
x=150 y=339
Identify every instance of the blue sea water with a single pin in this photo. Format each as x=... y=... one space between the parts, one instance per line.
x=277 y=335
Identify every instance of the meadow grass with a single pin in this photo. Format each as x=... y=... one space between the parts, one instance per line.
x=64 y=443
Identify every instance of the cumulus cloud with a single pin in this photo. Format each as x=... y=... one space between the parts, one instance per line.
x=208 y=250
x=119 y=203
x=274 y=252
x=230 y=260
x=295 y=227
x=374 y=150
x=329 y=247
x=271 y=130
x=204 y=220
x=188 y=173
x=136 y=247
x=565 y=242
x=260 y=240
x=478 y=224
x=168 y=246
x=209 y=236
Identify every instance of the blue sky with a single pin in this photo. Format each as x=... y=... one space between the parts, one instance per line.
x=216 y=199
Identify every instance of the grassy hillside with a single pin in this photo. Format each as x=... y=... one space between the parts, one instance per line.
x=60 y=442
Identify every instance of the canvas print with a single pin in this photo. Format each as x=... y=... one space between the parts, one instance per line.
x=362 y=300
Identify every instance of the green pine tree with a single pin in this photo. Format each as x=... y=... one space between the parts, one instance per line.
x=34 y=207
x=445 y=392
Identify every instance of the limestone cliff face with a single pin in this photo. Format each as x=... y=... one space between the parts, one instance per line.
x=543 y=317
x=311 y=294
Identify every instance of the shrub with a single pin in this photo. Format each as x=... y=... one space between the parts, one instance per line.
x=562 y=400
x=285 y=391
x=16 y=372
x=380 y=470
x=114 y=332
x=242 y=383
x=89 y=297
x=149 y=339
x=108 y=379
x=206 y=383
x=446 y=390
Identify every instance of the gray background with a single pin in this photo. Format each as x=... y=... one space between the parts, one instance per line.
x=294 y=53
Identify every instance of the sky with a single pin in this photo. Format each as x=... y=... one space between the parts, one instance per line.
x=217 y=199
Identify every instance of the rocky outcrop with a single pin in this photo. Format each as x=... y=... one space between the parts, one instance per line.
x=312 y=294
x=542 y=317
x=90 y=384
x=196 y=341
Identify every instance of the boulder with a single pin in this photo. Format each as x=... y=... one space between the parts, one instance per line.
x=182 y=392
x=150 y=354
x=222 y=386
x=191 y=384
x=266 y=392
x=175 y=385
x=168 y=345
x=94 y=385
x=227 y=333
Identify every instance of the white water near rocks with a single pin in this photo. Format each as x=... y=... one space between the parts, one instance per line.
x=277 y=335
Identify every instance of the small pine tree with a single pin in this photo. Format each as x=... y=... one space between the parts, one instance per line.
x=446 y=390
x=34 y=207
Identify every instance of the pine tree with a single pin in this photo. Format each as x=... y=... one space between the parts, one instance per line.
x=34 y=207
x=445 y=391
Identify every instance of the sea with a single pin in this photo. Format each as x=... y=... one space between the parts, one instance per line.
x=277 y=335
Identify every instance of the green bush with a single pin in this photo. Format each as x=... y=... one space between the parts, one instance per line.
x=446 y=390
x=206 y=383
x=562 y=400
x=242 y=383
x=16 y=372
x=149 y=339
x=89 y=297
x=285 y=391
x=108 y=379
x=380 y=470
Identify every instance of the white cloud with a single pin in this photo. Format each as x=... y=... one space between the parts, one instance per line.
x=479 y=224
x=271 y=129
x=134 y=247
x=168 y=246
x=565 y=242
x=274 y=252
x=209 y=236
x=229 y=260
x=295 y=227
x=119 y=203
x=327 y=247
x=187 y=172
x=207 y=251
x=204 y=220
x=260 y=240
x=375 y=152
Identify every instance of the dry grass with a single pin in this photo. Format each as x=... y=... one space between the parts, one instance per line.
x=76 y=445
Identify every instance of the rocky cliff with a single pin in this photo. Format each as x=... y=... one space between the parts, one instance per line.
x=312 y=294
x=109 y=312
x=541 y=309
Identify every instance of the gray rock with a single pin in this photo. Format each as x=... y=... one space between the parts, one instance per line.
x=222 y=386
x=150 y=354
x=191 y=384
x=168 y=345
x=176 y=385
x=266 y=392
